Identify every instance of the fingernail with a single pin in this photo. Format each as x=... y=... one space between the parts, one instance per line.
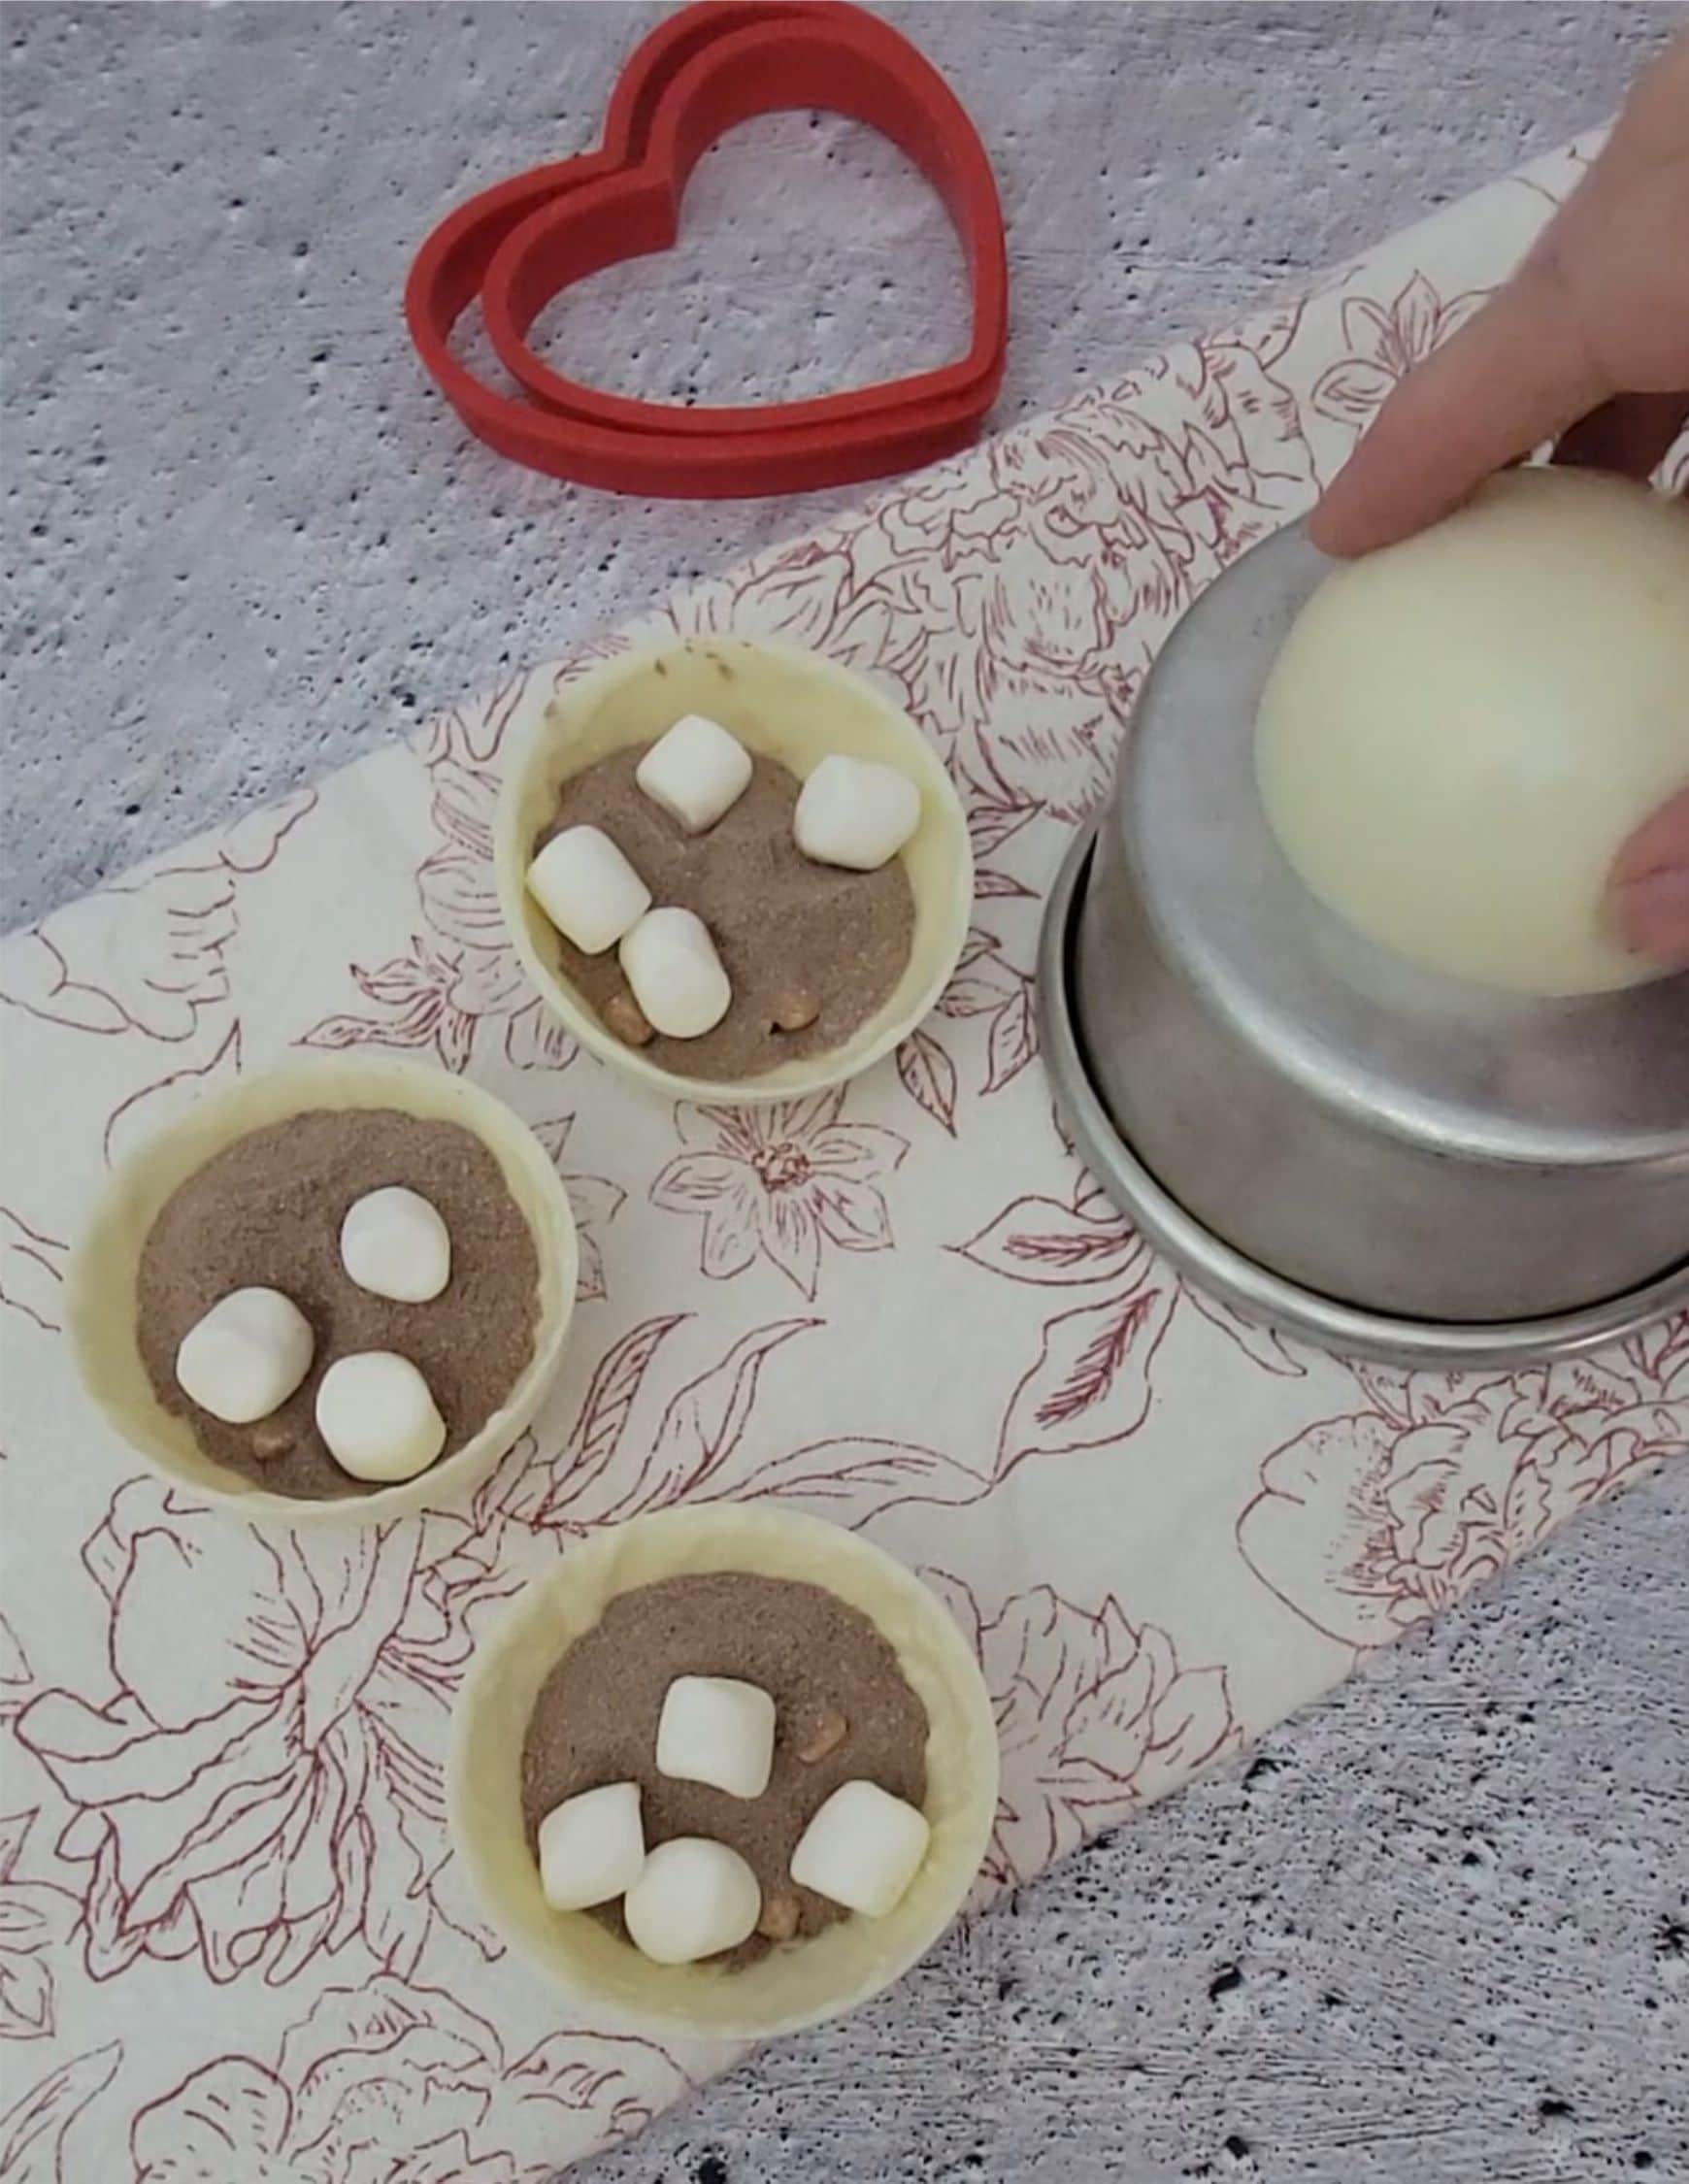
x=1653 y=913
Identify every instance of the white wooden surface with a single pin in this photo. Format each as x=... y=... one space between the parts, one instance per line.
x=1436 y=1933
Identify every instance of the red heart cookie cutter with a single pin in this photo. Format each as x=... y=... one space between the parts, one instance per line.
x=697 y=76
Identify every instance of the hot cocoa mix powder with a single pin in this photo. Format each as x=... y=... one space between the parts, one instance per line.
x=828 y=1670
x=783 y=927
x=266 y=1212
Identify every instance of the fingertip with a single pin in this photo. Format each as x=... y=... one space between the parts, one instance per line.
x=1364 y=509
x=1401 y=476
x=1513 y=376
x=1652 y=915
x=1350 y=533
x=1330 y=530
x=1660 y=845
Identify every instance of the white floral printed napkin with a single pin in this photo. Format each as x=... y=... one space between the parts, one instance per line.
x=233 y=1940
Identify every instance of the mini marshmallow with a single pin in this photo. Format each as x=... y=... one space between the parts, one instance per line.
x=862 y=1850
x=720 y=1731
x=245 y=1356
x=855 y=814
x=587 y=888
x=670 y=963
x=393 y=1243
x=377 y=1416
x=592 y=1847
x=694 y=1899
x=696 y=772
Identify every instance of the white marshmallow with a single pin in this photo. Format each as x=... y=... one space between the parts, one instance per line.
x=670 y=963
x=855 y=814
x=245 y=1356
x=592 y=1847
x=696 y=772
x=862 y=1850
x=587 y=888
x=720 y=1731
x=694 y=1899
x=393 y=1243
x=377 y=1416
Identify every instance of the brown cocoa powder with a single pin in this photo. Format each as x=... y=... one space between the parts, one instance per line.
x=595 y=1721
x=267 y=1212
x=811 y=951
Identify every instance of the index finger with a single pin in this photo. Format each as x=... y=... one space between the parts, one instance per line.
x=1516 y=375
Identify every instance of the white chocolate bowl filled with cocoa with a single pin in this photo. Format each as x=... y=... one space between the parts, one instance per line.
x=798 y=1981
x=790 y=710
x=106 y=1298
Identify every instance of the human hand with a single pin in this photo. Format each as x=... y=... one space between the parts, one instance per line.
x=1586 y=347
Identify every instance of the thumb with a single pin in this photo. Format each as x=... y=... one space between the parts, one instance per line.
x=1650 y=885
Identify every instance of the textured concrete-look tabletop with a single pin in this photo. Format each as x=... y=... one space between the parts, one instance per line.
x=1436 y=1931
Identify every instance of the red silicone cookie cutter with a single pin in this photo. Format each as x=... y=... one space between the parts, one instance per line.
x=697 y=76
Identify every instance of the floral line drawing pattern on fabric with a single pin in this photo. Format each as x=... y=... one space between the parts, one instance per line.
x=1367 y=1523
x=585 y=1484
x=147 y=956
x=1092 y=1382
x=1385 y=340
x=780 y=1181
x=36 y=1918
x=147 y=1112
x=304 y=1811
x=16 y=1683
x=1096 y=1717
x=694 y=1449
x=32 y=1268
x=988 y=993
x=396 y=2073
x=34 y=2129
x=928 y=1075
x=415 y=1012
x=595 y=1200
x=462 y=979
x=987 y=987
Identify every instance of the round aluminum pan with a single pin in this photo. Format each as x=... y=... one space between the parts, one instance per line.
x=1254 y=1288
x=1371 y=1131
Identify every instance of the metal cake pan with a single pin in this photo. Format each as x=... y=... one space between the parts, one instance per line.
x=1388 y=1161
